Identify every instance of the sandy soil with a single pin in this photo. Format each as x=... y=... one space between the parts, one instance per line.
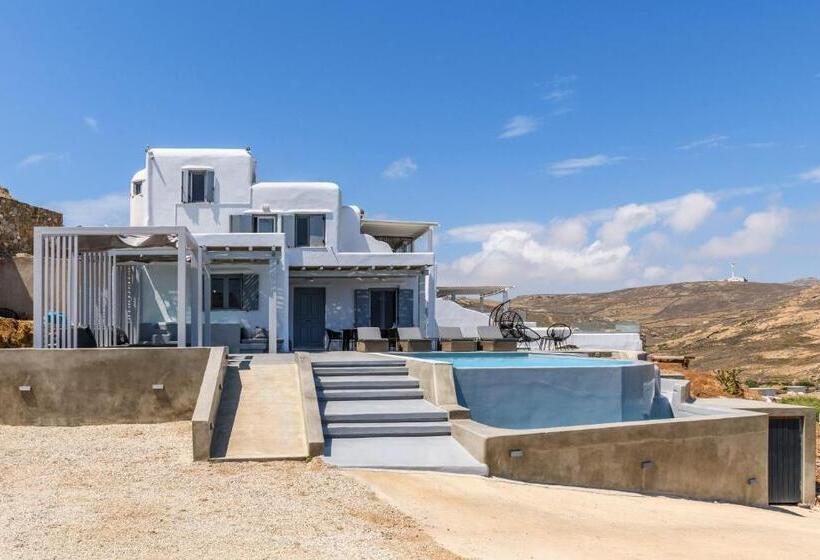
x=132 y=491
x=497 y=519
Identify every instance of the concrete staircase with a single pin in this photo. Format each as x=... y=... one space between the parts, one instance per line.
x=374 y=415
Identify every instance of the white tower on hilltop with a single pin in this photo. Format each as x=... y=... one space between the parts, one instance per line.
x=733 y=277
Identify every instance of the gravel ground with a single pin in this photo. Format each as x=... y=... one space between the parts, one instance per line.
x=132 y=491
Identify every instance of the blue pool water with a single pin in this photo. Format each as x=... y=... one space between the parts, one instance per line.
x=516 y=360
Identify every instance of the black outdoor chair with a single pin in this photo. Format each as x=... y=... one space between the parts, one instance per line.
x=334 y=336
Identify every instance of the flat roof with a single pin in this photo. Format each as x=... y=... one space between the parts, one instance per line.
x=396 y=228
x=484 y=291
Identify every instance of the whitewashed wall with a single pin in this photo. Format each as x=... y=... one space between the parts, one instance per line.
x=233 y=175
x=451 y=314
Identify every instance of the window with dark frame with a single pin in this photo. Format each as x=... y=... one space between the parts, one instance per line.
x=310 y=230
x=226 y=291
x=137 y=188
x=197 y=185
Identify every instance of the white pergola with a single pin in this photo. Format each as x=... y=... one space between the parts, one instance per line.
x=90 y=278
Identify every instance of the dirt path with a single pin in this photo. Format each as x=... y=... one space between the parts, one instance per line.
x=496 y=519
x=131 y=491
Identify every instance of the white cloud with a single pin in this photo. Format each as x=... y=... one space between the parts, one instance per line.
x=759 y=233
x=39 y=158
x=400 y=169
x=518 y=257
x=627 y=219
x=576 y=165
x=482 y=232
x=632 y=244
x=689 y=211
x=107 y=210
x=519 y=125
x=92 y=123
x=712 y=141
x=812 y=175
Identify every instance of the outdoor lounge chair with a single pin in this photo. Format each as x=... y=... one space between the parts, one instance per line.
x=411 y=340
x=453 y=340
x=492 y=340
x=369 y=339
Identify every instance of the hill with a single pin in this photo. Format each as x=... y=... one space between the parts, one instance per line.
x=771 y=331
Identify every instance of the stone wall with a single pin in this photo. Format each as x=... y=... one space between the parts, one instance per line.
x=17 y=223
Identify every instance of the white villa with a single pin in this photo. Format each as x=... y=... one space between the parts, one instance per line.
x=212 y=256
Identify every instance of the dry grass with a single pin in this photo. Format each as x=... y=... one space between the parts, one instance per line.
x=16 y=334
x=132 y=491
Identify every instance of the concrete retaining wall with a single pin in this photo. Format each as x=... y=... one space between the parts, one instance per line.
x=99 y=385
x=712 y=458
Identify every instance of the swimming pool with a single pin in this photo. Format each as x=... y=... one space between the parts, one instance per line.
x=515 y=360
x=521 y=390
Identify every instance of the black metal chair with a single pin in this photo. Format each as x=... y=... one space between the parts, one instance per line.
x=334 y=336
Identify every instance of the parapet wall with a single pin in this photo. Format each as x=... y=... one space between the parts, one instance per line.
x=100 y=385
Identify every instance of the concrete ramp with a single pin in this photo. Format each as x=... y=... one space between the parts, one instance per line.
x=260 y=414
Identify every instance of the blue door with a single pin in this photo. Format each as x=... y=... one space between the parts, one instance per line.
x=309 y=318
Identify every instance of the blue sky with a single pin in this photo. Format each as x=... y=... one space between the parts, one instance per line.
x=563 y=146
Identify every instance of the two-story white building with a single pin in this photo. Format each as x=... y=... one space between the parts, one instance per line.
x=244 y=262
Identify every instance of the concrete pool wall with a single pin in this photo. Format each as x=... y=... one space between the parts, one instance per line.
x=701 y=452
x=528 y=398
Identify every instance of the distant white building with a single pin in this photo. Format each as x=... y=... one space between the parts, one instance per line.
x=733 y=277
x=236 y=257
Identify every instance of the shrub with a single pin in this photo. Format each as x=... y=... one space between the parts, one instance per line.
x=729 y=379
x=804 y=383
x=803 y=401
x=752 y=383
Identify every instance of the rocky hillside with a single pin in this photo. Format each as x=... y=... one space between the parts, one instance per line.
x=771 y=331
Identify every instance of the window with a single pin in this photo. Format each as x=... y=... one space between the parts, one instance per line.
x=310 y=230
x=226 y=291
x=136 y=188
x=197 y=185
x=265 y=224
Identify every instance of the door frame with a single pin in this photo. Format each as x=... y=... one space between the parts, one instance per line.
x=321 y=344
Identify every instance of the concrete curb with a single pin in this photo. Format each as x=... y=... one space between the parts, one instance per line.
x=310 y=406
x=207 y=404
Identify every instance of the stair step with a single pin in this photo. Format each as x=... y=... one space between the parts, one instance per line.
x=386 y=429
x=388 y=410
x=368 y=370
x=367 y=394
x=366 y=382
x=359 y=363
